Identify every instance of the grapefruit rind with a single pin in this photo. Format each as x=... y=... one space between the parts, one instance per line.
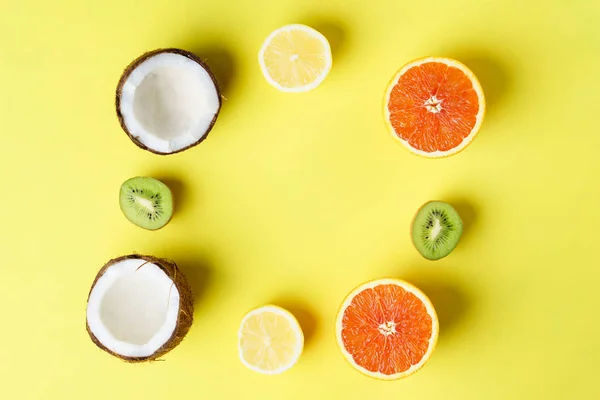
x=294 y=324
x=408 y=287
x=476 y=86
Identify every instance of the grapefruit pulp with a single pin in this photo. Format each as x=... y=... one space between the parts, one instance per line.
x=387 y=329
x=434 y=106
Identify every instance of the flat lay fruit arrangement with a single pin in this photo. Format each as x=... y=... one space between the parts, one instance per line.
x=299 y=200
x=167 y=101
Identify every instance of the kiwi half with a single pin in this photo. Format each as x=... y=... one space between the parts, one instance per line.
x=436 y=230
x=146 y=202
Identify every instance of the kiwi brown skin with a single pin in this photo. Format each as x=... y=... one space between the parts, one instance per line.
x=185 y=317
x=412 y=224
x=134 y=65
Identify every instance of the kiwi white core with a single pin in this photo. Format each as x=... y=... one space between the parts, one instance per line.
x=133 y=307
x=168 y=102
x=147 y=204
x=437 y=228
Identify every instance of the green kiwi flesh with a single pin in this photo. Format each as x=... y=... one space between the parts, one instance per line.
x=146 y=202
x=436 y=230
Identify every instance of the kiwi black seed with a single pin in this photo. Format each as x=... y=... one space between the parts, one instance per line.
x=436 y=230
x=146 y=202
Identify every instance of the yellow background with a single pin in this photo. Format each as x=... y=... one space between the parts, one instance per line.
x=296 y=199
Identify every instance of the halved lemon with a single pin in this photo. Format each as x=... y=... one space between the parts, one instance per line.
x=295 y=58
x=270 y=340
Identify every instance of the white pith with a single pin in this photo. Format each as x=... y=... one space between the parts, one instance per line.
x=168 y=102
x=133 y=308
x=476 y=86
x=433 y=104
x=299 y=345
x=387 y=328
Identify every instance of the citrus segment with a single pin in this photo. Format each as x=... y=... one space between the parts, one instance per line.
x=387 y=329
x=295 y=58
x=270 y=340
x=434 y=106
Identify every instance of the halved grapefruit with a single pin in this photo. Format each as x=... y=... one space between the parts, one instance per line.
x=434 y=106
x=387 y=329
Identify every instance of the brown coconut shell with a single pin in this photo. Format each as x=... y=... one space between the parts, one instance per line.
x=134 y=65
x=186 y=307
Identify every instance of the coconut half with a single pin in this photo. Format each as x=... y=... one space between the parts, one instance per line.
x=139 y=308
x=167 y=101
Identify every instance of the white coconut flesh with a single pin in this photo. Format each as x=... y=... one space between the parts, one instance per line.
x=168 y=102
x=133 y=308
